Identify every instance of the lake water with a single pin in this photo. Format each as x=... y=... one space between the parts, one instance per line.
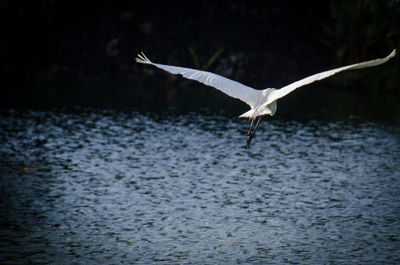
x=89 y=186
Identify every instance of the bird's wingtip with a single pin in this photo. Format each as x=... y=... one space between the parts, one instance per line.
x=393 y=53
x=141 y=58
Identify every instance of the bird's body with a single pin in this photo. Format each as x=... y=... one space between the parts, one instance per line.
x=261 y=108
x=261 y=102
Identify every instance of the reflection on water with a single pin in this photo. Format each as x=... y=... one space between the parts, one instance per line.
x=111 y=187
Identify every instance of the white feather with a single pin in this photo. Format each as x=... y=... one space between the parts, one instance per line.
x=279 y=93
x=261 y=102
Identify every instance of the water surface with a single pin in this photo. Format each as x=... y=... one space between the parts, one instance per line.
x=120 y=187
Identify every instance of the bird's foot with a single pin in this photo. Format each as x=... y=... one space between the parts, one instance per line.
x=250 y=136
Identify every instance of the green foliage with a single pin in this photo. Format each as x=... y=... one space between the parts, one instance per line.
x=195 y=58
x=354 y=28
x=212 y=59
x=210 y=62
x=358 y=30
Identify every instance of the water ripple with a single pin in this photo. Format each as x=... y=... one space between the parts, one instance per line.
x=98 y=186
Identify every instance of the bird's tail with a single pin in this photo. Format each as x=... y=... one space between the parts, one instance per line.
x=251 y=114
x=141 y=58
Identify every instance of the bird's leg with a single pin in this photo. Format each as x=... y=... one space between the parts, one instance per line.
x=250 y=134
x=255 y=129
x=251 y=126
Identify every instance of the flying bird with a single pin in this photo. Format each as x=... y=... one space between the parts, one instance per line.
x=261 y=102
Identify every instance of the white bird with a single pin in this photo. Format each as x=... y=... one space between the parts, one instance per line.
x=261 y=102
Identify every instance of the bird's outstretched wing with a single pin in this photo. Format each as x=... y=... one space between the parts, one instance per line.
x=232 y=88
x=279 y=93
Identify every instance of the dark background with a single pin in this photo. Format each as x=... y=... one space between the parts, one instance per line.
x=67 y=53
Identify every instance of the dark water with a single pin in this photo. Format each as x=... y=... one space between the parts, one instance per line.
x=109 y=187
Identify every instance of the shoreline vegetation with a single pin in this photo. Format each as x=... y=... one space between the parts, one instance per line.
x=65 y=52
